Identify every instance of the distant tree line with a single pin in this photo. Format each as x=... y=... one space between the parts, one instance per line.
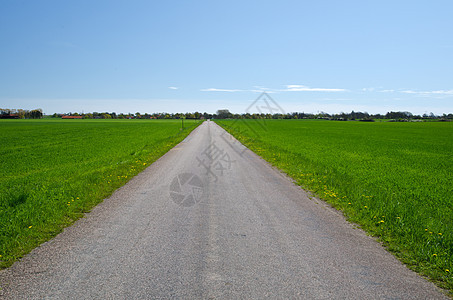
x=226 y=114
x=363 y=116
x=6 y=113
x=138 y=115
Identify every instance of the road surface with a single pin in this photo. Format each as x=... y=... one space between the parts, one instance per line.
x=212 y=220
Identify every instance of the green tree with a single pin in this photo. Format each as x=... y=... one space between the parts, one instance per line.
x=224 y=114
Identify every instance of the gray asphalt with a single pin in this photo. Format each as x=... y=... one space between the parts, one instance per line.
x=212 y=220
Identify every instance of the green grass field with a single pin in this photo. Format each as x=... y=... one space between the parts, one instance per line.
x=52 y=171
x=394 y=179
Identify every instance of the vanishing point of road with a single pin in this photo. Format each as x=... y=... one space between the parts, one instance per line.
x=212 y=220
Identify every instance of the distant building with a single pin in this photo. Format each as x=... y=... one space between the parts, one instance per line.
x=72 y=117
x=9 y=116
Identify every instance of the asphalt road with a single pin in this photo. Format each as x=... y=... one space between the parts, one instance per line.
x=211 y=220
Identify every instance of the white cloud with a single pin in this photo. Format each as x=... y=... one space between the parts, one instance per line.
x=442 y=92
x=303 y=88
x=438 y=92
x=410 y=92
x=368 y=89
x=289 y=88
x=173 y=87
x=263 y=91
x=219 y=90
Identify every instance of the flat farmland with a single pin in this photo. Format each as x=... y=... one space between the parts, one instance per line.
x=394 y=179
x=52 y=171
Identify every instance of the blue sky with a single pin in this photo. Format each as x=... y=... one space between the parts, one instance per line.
x=180 y=56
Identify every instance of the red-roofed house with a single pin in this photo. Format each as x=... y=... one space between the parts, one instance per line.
x=72 y=117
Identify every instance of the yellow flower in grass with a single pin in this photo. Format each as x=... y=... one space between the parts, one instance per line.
x=434 y=254
x=30 y=227
x=446 y=270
